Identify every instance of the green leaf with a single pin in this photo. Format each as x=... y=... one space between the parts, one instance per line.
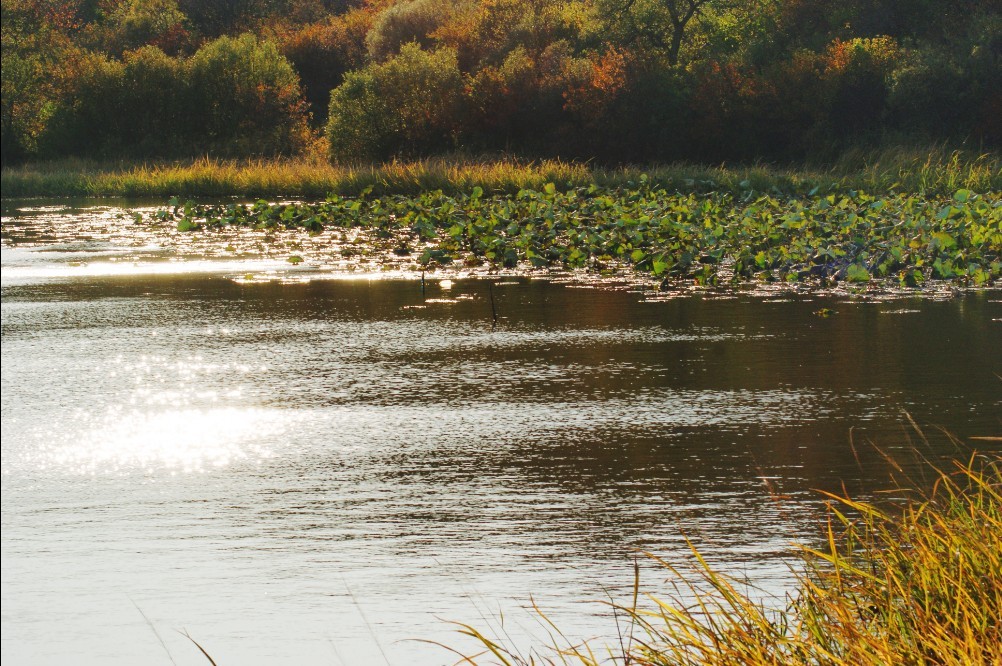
x=962 y=195
x=857 y=273
x=944 y=239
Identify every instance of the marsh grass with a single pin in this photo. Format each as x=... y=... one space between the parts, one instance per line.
x=913 y=579
x=929 y=171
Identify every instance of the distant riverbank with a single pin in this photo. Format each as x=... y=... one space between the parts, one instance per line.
x=909 y=170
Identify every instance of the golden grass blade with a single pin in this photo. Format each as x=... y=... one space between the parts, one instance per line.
x=202 y=649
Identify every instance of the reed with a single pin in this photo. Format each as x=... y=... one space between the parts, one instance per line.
x=929 y=171
x=913 y=581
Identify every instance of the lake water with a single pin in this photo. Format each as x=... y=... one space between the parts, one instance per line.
x=301 y=464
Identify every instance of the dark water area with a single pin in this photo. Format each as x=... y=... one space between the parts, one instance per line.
x=314 y=467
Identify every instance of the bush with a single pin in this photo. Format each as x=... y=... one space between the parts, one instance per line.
x=245 y=98
x=650 y=119
x=235 y=97
x=137 y=23
x=858 y=73
x=925 y=93
x=323 y=52
x=411 y=104
x=406 y=22
x=154 y=88
x=217 y=17
x=25 y=103
x=984 y=73
x=90 y=117
x=727 y=112
x=806 y=103
x=523 y=103
x=137 y=106
x=486 y=32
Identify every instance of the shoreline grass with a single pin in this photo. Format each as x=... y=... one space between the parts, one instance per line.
x=925 y=171
x=916 y=580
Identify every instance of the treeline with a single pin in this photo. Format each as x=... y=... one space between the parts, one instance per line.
x=617 y=80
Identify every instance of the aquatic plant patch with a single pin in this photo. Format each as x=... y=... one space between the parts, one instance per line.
x=713 y=238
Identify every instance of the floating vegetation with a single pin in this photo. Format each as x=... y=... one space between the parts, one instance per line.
x=850 y=238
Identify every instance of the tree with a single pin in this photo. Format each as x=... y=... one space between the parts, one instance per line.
x=411 y=104
x=32 y=43
x=663 y=24
x=246 y=97
x=140 y=22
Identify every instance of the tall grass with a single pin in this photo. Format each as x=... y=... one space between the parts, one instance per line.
x=935 y=171
x=915 y=581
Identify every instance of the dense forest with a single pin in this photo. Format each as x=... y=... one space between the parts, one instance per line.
x=613 y=80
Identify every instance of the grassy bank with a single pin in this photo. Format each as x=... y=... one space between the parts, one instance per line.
x=915 y=581
x=934 y=171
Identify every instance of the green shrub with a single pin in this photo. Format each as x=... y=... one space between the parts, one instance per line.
x=245 y=98
x=984 y=72
x=24 y=103
x=153 y=87
x=136 y=106
x=136 y=23
x=89 y=119
x=236 y=96
x=511 y=102
x=485 y=33
x=406 y=22
x=408 y=105
x=925 y=93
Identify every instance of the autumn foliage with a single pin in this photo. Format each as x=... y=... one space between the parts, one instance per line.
x=648 y=80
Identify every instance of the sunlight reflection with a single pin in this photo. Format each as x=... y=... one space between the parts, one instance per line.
x=188 y=440
x=127 y=267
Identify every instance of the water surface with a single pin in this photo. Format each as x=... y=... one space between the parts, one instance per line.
x=300 y=465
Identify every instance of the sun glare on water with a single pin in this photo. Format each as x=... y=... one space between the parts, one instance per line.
x=175 y=441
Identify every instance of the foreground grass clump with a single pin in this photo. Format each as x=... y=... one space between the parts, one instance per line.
x=931 y=171
x=708 y=239
x=919 y=582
